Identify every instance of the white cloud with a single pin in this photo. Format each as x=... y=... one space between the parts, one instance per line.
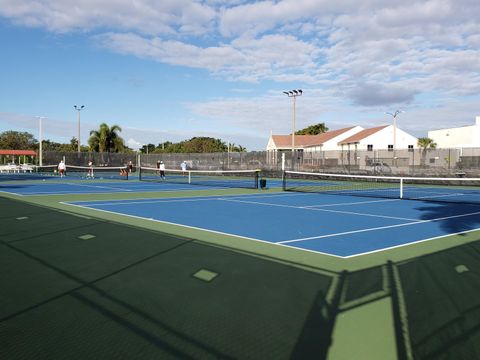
x=244 y=59
x=375 y=94
x=134 y=144
x=144 y=16
x=351 y=54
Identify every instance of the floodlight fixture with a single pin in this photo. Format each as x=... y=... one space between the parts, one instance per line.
x=293 y=94
x=78 y=108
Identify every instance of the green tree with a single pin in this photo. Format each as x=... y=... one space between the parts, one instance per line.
x=195 y=145
x=15 y=140
x=313 y=130
x=204 y=145
x=147 y=149
x=425 y=143
x=49 y=145
x=106 y=139
x=161 y=147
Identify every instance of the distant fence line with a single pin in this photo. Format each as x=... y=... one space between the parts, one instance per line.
x=435 y=162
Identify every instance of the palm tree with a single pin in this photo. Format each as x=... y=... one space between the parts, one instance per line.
x=425 y=143
x=106 y=139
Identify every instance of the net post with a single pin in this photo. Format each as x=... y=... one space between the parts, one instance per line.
x=139 y=173
x=189 y=177
x=401 y=188
x=257 y=177
x=284 y=180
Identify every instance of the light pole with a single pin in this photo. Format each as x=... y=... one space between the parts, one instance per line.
x=394 y=115
x=78 y=108
x=40 y=141
x=293 y=94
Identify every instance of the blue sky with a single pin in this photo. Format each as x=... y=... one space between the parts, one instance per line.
x=174 y=69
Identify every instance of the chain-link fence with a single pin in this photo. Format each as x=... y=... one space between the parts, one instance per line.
x=411 y=162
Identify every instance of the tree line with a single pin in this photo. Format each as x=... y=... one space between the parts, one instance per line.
x=108 y=139
x=194 y=145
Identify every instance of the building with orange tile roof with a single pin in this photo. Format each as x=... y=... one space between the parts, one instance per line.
x=380 y=137
x=320 y=142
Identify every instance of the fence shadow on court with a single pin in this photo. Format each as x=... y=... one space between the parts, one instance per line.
x=126 y=292
x=136 y=294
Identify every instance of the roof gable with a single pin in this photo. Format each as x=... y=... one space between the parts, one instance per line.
x=285 y=141
x=356 y=138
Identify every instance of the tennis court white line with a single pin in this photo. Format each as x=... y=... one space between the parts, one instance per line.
x=283 y=194
x=377 y=228
x=139 y=201
x=435 y=196
x=162 y=200
x=352 y=203
x=410 y=243
x=324 y=210
x=96 y=186
x=203 y=229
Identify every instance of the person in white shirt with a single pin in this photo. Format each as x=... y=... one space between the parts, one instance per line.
x=90 y=170
x=162 y=170
x=183 y=165
x=62 y=168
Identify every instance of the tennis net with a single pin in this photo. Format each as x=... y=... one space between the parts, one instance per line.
x=459 y=190
x=13 y=172
x=34 y=172
x=97 y=172
x=218 y=178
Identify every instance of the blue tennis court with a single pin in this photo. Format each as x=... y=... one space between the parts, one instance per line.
x=342 y=226
x=59 y=186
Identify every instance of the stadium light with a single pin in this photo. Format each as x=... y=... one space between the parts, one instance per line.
x=293 y=94
x=394 y=115
x=78 y=108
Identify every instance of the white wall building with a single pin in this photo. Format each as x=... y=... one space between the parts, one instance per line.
x=329 y=140
x=460 y=137
x=380 y=137
x=321 y=142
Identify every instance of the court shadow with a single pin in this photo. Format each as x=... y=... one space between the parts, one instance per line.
x=454 y=218
x=12 y=186
x=135 y=294
x=441 y=303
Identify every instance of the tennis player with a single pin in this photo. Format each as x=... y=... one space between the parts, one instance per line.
x=90 y=170
x=183 y=165
x=162 y=170
x=62 y=168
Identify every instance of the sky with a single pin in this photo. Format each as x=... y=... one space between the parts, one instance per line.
x=169 y=70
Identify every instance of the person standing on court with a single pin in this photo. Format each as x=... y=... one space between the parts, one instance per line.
x=62 y=168
x=130 y=166
x=162 y=170
x=183 y=165
x=90 y=170
x=158 y=167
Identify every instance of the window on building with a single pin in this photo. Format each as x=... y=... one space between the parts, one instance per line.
x=370 y=147
x=390 y=147
x=410 y=148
